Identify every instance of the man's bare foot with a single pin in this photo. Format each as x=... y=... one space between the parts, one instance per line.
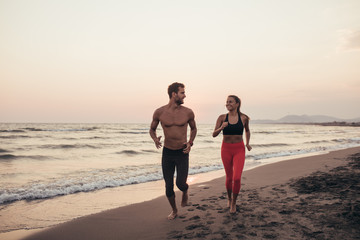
x=172 y=215
x=184 y=200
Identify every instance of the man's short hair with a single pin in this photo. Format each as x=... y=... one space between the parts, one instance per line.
x=174 y=88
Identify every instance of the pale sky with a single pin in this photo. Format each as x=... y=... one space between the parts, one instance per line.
x=112 y=61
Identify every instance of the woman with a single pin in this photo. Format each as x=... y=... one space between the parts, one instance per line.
x=233 y=149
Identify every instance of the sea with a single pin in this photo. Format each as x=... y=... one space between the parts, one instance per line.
x=49 y=171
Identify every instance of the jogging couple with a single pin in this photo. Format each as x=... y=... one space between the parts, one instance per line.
x=175 y=119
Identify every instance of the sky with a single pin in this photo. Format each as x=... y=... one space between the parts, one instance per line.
x=102 y=61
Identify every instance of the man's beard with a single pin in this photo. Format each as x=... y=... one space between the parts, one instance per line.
x=179 y=102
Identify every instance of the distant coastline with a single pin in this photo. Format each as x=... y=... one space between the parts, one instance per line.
x=352 y=124
x=340 y=124
x=312 y=120
x=345 y=124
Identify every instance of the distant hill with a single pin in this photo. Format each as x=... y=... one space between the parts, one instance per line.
x=307 y=119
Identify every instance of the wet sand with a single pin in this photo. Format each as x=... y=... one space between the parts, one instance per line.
x=304 y=198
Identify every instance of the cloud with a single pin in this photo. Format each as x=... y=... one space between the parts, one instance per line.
x=349 y=40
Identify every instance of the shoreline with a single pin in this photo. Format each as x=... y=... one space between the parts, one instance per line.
x=101 y=200
x=152 y=214
x=89 y=203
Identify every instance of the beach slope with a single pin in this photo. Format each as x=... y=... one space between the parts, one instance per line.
x=304 y=198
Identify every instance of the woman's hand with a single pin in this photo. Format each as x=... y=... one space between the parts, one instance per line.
x=220 y=125
x=248 y=147
x=224 y=125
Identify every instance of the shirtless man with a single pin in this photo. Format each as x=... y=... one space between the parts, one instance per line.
x=174 y=120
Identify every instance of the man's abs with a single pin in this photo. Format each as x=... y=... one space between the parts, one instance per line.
x=175 y=137
x=174 y=145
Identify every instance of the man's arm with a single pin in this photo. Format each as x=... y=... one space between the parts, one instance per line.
x=152 y=131
x=193 y=131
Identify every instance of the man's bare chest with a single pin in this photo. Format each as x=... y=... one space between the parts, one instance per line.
x=178 y=119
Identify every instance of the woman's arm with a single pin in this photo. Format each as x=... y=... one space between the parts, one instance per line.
x=219 y=126
x=247 y=133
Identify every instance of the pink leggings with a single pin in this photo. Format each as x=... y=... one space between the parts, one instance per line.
x=233 y=158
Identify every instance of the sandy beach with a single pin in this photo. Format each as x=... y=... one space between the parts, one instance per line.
x=304 y=198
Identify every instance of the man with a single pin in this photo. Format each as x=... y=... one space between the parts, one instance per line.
x=174 y=120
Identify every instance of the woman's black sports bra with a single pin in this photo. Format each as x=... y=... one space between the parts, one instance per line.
x=233 y=129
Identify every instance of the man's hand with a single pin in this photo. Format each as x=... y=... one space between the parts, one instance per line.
x=187 y=147
x=158 y=143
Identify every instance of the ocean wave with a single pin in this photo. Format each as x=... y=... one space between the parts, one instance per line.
x=12 y=131
x=14 y=136
x=11 y=157
x=67 y=146
x=100 y=179
x=286 y=153
x=95 y=137
x=33 y=129
x=128 y=152
x=71 y=129
x=3 y=150
x=136 y=132
x=316 y=142
x=149 y=151
x=204 y=169
x=72 y=186
x=7 y=157
x=265 y=132
x=133 y=152
x=270 y=145
x=336 y=140
x=278 y=132
x=302 y=151
x=201 y=135
x=347 y=140
x=96 y=180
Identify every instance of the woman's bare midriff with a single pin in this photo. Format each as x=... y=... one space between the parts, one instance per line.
x=232 y=138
